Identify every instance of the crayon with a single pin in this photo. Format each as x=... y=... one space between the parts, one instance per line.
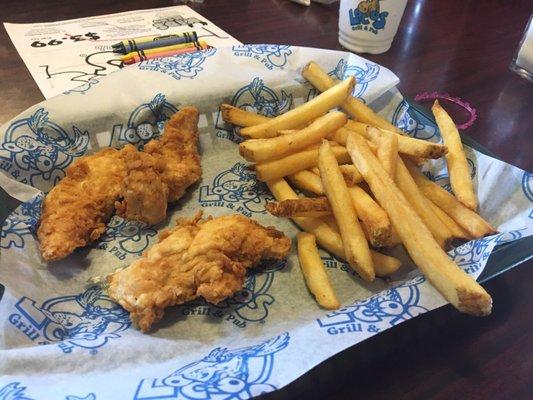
x=135 y=58
x=144 y=53
x=148 y=42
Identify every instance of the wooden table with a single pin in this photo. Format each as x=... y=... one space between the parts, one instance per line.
x=458 y=47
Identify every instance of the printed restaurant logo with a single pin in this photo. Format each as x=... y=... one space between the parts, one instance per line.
x=86 y=320
x=237 y=189
x=367 y=17
x=223 y=374
x=36 y=151
x=272 y=56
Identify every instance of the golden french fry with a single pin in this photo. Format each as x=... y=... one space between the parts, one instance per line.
x=240 y=117
x=326 y=235
x=460 y=179
x=395 y=239
x=312 y=214
x=471 y=222
x=455 y=229
x=377 y=241
x=314 y=272
x=308 y=181
x=342 y=133
x=461 y=290
x=383 y=265
x=388 y=153
x=358 y=127
x=353 y=238
x=406 y=145
x=259 y=150
x=288 y=165
x=301 y=207
x=288 y=131
x=281 y=191
x=421 y=205
x=419 y=162
x=332 y=223
x=354 y=107
x=351 y=174
x=374 y=219
x=304 y=113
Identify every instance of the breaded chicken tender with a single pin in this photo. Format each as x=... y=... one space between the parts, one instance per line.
x=75 y=211
x=199 y=257
x=137 y=184
x=177 y=152
x=144 y=194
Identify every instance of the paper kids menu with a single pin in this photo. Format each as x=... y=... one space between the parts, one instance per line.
x=65 y=55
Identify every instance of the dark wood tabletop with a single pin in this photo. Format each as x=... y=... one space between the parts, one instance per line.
x=458 y=47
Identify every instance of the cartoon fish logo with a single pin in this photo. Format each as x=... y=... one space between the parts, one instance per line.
x=146 y=122
x=85 y=320
x=413 y=123
x=42 y=149
x=223 y=374
x=13 y=391
x=179 y=66
x=131 y=236
x=22 y=222
x=395 y=305
x=363 y=75
x=237 y=185
x=272 y=55
x=259 y=98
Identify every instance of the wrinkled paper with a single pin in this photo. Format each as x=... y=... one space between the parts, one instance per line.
x=62 y=337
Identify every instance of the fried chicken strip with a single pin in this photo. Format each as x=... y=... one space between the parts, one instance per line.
x=77 y=208
x=199 y=257
x=144 y=194
x=177 y=152
x=164 y=171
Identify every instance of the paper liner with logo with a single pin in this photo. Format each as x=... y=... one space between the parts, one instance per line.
x=61 y=337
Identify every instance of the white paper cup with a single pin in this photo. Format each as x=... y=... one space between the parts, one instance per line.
x=369 y=26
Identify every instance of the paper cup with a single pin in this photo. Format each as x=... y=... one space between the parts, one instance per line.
x=369 y=26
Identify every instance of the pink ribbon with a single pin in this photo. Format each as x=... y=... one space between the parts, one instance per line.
x=460 y=102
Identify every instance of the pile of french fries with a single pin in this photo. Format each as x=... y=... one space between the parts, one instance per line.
x=366 y=190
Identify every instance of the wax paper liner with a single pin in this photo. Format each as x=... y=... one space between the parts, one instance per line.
x=64 y=338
